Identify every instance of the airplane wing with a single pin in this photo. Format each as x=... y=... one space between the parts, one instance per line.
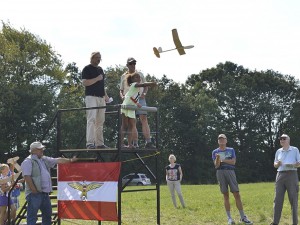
x=177 y=42
x=156 y=52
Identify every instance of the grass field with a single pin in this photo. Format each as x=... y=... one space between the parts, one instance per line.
x=204 y=206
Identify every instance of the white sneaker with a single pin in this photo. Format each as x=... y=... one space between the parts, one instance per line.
x=245 y=220
x=230 y=221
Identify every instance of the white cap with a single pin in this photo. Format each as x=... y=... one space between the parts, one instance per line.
x=36 y=145
x=222 y=136
x=284 y=136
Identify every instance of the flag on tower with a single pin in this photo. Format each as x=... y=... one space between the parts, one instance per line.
x=88 y=191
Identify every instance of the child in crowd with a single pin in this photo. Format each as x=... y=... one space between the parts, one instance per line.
x=13 y=165
x=5 y=186
x=16 y=192
x=131 y=98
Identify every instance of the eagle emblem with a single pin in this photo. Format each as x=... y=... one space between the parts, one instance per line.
x=85 y=188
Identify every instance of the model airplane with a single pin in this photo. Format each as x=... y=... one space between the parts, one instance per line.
x=177 y=43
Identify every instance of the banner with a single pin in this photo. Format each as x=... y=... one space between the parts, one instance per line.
x=88 y=191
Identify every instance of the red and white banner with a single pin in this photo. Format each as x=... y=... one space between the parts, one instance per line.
x=88 y=191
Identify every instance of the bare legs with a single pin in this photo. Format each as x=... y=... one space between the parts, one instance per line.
x=129 y=127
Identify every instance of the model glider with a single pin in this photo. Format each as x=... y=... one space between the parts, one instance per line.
x=177 y=43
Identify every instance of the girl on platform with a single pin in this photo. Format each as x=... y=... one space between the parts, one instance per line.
x=131 y=98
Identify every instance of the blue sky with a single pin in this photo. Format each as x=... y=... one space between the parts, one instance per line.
x=258 y=34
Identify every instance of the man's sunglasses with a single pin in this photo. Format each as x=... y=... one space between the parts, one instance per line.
x=132 y=63
x=282 y=138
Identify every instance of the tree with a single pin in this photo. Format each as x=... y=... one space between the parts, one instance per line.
x=253 y=107
x=292 y=125
x=177 y=131
x=31 y=75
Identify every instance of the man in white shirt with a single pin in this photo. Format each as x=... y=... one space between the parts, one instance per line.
x=287 y=160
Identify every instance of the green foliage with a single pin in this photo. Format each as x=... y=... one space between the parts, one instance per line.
x=30 y=76
x=252 y=107
x=292 y=126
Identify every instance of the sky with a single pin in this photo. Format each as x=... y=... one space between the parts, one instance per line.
x=257 y=34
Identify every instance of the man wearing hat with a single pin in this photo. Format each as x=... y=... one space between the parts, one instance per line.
x=224 y=159
x=93 y=79
x=287 y=160
x=131 y=63
x=36 y=172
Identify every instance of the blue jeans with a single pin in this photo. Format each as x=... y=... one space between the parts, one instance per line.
x=36 y=202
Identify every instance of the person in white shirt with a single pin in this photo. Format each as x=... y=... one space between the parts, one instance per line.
x=287 y=160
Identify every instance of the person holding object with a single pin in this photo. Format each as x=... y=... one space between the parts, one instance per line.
x=16 y=192
x=131 y=98
x=6 y=178
x=131 y=64
x=93 y=79
x=224 y=160
x=174 y=177
x=287 y=160
x=36 y=171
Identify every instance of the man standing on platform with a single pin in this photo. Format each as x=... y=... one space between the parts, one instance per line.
x=131 y=63
x=93 y=79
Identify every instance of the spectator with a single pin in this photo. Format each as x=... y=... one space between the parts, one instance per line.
x=5 y=186
x=36 y=171
x=12 y=162
x=287 y=160
x=224 y=159
x=174 y=177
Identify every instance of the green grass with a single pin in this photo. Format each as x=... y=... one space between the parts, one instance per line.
x=204 y=206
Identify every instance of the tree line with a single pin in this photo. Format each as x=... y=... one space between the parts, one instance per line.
x=253 y=108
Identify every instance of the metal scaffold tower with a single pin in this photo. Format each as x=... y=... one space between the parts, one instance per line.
x=132 y=161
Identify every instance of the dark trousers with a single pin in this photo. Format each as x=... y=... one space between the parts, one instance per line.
x=286 y=181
